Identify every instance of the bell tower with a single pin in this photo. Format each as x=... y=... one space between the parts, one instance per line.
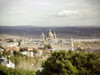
x=72 y=44
x=55 y=36
x=42 y=36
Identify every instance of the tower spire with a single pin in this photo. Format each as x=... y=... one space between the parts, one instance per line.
x=72 y=44
x=49 y=30
x=42 y=36
x=54 y=35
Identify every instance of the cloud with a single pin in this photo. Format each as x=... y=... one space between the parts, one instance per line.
x=69 y=14
x=78 y=14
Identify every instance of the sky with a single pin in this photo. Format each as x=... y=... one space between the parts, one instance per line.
x=49 y=12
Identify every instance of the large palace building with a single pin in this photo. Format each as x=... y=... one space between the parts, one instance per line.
x=50 y=37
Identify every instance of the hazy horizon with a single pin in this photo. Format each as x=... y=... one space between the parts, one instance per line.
x=62 y=32
x=46 y=26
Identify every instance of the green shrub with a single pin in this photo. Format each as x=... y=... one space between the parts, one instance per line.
x=71 y=63
x=9 y=71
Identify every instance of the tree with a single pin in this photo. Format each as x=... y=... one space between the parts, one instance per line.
x=17 y=53
x=34 y=51
x=9 y=71
x=71 y=63
x=58 y=64
x=47 y=46
x=6 y=53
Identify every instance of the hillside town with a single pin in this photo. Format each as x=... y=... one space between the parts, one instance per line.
x=41 y=48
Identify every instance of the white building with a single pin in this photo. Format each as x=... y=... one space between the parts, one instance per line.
x=11 y=44
x=10 y=64
x=1 y=49
x=6 y=62
x=27 y=53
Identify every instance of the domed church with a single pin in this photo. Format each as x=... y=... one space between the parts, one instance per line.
x=50 y=36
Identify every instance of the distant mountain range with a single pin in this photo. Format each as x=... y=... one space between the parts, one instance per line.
x=62 y=32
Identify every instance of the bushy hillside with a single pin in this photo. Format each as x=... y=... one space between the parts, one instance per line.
x=71 y=63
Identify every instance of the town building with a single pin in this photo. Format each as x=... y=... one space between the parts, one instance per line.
x=30 y=54
x=6 y=62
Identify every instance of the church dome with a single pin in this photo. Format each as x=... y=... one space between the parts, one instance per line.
x=50 y=34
